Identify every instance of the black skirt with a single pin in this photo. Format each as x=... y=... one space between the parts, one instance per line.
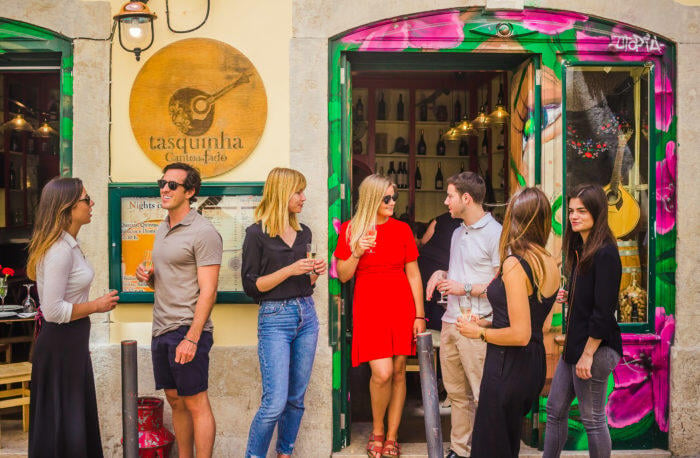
x=63 y=418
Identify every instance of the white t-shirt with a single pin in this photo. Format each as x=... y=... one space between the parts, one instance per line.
x=474 y=259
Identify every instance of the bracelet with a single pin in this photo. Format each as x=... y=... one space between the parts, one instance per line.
x=421 y=318
x=482 y=334
x=189 y=340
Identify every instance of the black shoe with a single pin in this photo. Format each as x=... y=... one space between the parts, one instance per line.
x=452 y=454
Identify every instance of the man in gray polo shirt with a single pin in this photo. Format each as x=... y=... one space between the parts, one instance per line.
x=474 y=261
x=186 y=258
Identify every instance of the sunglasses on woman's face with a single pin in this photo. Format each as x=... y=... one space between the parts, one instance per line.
x=85 y=199
x=171 y=184
x=386 y=199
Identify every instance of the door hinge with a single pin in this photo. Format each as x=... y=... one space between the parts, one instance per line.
x=342 y=421
x=342 y=191
x=342 y=75
x=538 y=77
x=342 y=307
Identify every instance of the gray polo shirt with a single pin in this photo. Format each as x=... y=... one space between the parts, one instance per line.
x=474 y=258
x=177 y=252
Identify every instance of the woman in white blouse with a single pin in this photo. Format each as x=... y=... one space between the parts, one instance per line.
x=63 y=409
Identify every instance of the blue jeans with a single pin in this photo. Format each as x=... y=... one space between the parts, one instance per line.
x=591 y=394
x=287 y=335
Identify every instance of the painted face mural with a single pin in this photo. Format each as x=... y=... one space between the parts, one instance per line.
x=594 y=103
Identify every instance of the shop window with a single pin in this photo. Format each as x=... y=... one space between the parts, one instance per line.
x=607 y=143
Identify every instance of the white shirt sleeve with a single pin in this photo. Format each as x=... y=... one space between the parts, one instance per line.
x=58 y=263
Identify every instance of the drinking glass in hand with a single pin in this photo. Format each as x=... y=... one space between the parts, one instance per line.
x=310 y=253
x=465 y=307
x=3 y=290
x=147 y=263
x=29 y=305
x=372 y=232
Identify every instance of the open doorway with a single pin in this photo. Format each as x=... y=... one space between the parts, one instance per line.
x=402 y=112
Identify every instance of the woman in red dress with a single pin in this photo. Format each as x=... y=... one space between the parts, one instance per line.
x=380 y=252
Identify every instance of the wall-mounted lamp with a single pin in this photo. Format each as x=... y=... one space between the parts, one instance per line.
x=135 y=27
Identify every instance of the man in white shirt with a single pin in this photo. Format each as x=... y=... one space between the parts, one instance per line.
x=474 y=261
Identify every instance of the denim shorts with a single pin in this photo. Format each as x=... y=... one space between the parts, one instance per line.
x=188 y=379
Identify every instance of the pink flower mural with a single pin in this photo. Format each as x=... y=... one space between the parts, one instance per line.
x=547 y=22
x=333 y=269
x=438 y=31
x=666 y=190
x=641 y=377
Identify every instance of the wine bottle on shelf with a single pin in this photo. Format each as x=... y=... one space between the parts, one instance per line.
x=485 y=145
x=423 y=112
x=417 y=177
x=440 y=150
x=438 y=178
x=421 y=144
x=461 y=167
x=501 y=146
x=381 y=108
x=359 y=110
x=381 y=170
x=399 y=176
x=399 y=109
x=463 y=147
x=13 y=177
x=391 y=173
x=457 y=111
x=404 y=178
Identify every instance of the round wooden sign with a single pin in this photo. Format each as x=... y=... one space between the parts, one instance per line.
x=198 y=101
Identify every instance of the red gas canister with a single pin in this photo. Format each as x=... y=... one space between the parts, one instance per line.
x=154 y=440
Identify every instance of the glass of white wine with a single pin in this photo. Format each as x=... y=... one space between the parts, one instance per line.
x=465 y=307
x=3 y=290
x=372 y=232
x=310 y=253
x=147 y=262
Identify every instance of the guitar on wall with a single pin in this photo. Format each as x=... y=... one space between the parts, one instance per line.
x=623 y=209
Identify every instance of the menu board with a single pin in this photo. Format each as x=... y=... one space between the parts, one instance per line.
x=141 y=216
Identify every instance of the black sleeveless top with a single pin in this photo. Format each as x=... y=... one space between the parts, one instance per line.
x=438 y=247
x=539 y=309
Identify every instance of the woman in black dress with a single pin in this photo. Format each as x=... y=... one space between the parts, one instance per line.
x=593 y=342
x=63 y=408
x=522 y=296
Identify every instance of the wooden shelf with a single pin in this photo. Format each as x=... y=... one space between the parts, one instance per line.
x=391 y=123
x=435 y=156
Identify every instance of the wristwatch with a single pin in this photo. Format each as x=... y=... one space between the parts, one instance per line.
x=468 y=288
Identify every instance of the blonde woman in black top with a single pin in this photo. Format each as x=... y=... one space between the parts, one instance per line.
x=277 y=274
x=593 y=344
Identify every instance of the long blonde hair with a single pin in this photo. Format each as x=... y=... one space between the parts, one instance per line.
x=52 y=217
x=371 y=193
x=273 y=210
x=526 y=227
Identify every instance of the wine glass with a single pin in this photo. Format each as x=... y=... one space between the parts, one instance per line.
x=465 y=307
x=3 y=290
x=372 y=232
x=29 y=305
x=310 y=253
x=147 y=262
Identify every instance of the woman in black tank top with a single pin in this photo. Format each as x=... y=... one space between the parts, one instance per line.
x=521 y=296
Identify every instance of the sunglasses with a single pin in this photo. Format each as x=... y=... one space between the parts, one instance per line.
x=171 y=184
x=386 y=199
x=85 y=199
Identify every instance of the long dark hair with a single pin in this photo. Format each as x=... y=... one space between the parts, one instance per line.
x=52 y=217
x=526 y=227
x=593 y=198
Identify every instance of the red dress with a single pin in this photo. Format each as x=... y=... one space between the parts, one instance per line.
x=383 y=310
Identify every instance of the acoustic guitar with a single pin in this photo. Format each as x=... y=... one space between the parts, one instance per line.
x=623 y=209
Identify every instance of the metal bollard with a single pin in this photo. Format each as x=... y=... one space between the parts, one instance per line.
x=431 y=403
x=130 y=393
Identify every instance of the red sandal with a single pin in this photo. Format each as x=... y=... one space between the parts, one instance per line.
x=372 y=448
x=391 y=449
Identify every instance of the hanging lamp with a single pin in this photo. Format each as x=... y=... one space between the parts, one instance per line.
x=500 y=114
x=18 y=123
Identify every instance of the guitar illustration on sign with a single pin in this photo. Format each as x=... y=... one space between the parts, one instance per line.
x=192 y=110
x=623 y=209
